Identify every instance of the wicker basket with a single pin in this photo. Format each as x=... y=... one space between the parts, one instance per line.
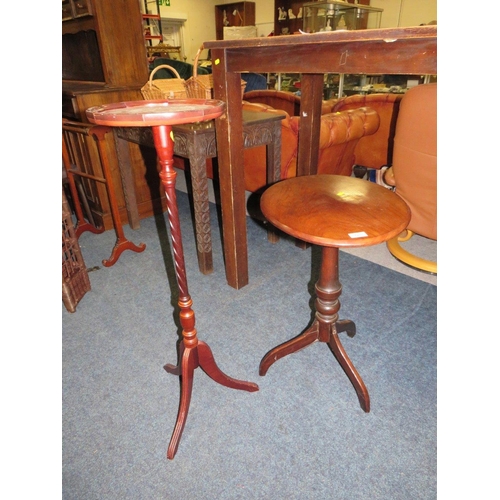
x=167 y=88
x=75 y=278
x=201 y=86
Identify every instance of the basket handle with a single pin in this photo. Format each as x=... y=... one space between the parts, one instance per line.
x=173 y=70
x=195 y=69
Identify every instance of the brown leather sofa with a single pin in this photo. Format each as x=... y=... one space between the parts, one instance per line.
x=374 y=151
x=284 y=100
x=339 y=134
x=277 y=99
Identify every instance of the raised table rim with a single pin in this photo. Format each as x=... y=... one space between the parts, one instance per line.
x=143 y=113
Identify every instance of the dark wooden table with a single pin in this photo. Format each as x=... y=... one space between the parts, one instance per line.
x=332 y=211
x=197 y=142
x=381 y=51
x=161 y=116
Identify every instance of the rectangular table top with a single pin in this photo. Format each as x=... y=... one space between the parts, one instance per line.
x=384 y=51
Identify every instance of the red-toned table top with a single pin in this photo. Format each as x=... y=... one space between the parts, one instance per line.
x=335 y=210
x=154 y=113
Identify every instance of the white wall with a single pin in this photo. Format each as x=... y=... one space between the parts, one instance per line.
x=406 y=12
x=200 y=15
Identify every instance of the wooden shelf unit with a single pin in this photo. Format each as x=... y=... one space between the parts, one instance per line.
x=245 y=16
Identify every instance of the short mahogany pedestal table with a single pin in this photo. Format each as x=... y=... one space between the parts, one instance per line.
x=332 y=211
x=161 y=116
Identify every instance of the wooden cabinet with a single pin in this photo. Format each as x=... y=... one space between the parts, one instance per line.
x=233 y=14
x=108 y=37
x=103 y=61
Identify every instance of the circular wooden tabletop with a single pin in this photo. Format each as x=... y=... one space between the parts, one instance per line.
x=335 y=210
x=154 y=113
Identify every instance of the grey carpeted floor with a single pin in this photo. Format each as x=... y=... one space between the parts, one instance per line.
x=303 y=435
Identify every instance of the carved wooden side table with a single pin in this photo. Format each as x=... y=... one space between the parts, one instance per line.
x=161 y=116
x=197 y=142
x=332 y=211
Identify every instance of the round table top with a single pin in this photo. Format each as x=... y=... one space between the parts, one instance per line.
x=335 y=210
x=154 y=113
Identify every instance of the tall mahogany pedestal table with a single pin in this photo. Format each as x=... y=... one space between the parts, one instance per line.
x=161 y=115
x=332 y=211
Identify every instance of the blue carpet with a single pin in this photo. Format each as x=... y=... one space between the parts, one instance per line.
x=302 y=436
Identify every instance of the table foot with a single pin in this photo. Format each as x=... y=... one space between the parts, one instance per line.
x=207 y=363
x=121 y=245
x=316 y=333
x=310 y=336
x=191 y=358
x=188 y=362
x=349 y=369
x=86 y=226
x=205 y=262
x=346 y=325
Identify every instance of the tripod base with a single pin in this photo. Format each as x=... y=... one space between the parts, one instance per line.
x=189 y=359
x=324 y=333
x=121 y=245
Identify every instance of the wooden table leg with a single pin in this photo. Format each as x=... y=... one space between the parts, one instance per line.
x=122 y=243
x=197 y=146
x=273 y=152
x=326 y=326
x=193 y=354
x=310 y=122
x=231 y=176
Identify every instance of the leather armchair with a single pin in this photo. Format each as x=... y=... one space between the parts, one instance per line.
x=286 y=101
x=374 y=151
x=277 y=99
x=339 y=134
x=414 y=170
